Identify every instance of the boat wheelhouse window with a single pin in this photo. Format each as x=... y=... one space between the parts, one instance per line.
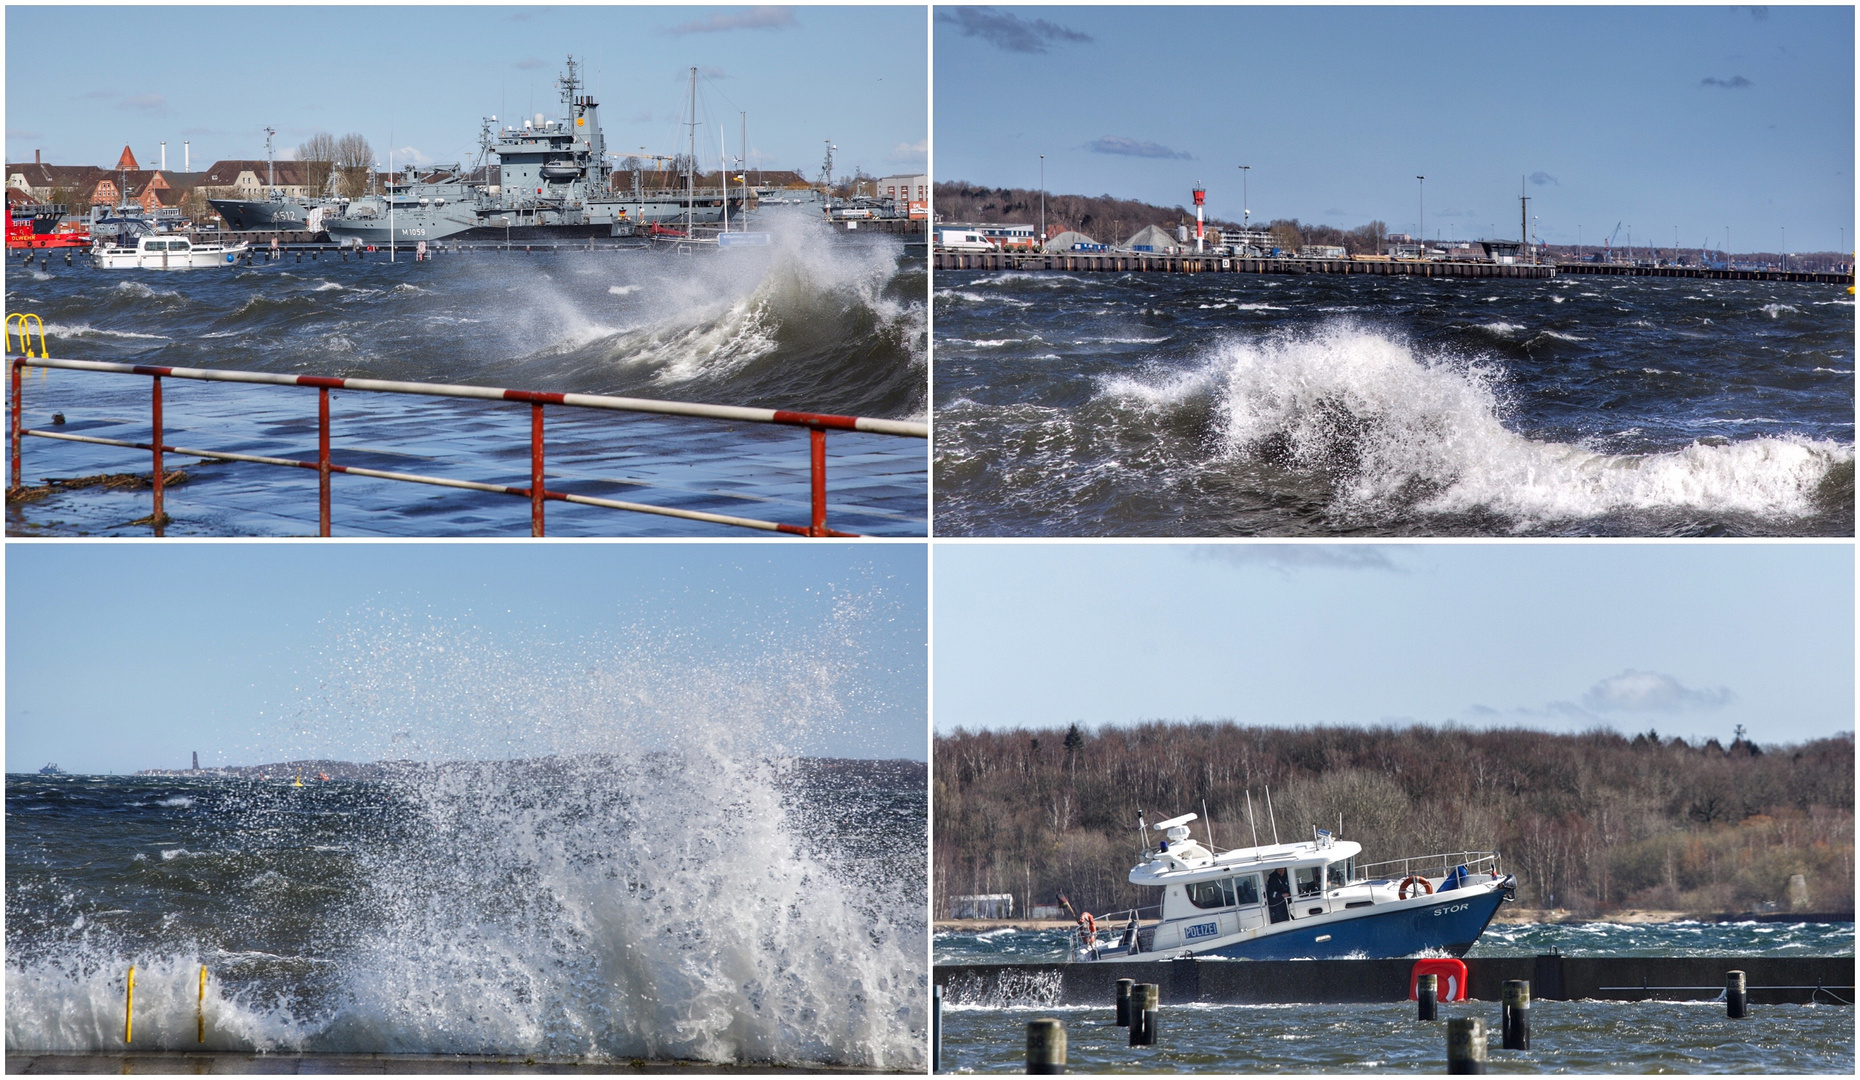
x=1246 y=889
x=1339 y=874
x=1310 y=880
x=1212 y=894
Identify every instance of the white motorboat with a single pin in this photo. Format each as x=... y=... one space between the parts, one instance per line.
x=166 y=252
x=1309 y=899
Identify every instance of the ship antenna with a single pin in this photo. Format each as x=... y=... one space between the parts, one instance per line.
x=271 y=168
x=1272 y=817
x=1208 y=824
x=1249 y=819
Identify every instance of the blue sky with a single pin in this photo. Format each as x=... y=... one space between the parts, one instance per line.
x=1682 y=638
x=127 y=656
x=1654 y=117
x=220 y=75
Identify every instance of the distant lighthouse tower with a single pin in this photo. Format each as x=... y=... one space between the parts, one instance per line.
x=1201 y=196
x=196 y=761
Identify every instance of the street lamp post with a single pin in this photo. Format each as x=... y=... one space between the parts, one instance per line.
x=1421 y=227
x=1785 y=249
x=1042 y=201
x=1246 y=211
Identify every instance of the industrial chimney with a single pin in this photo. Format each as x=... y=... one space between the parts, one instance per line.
x=187 y=164
x=164 y=155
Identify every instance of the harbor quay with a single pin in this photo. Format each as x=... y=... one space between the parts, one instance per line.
x=1772 y=980
x=239 y=1063
x=1191 y=263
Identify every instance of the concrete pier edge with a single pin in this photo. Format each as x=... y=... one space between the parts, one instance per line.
x=242 y=1063
x=1327 y=982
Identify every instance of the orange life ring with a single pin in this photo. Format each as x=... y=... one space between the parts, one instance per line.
x=1088 y=926
x=1416 y=879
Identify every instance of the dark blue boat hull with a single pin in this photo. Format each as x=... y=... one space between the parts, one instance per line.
x=1450 y=925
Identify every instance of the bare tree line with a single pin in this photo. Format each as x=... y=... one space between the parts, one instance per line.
x=1588 y=822
x=348 y=160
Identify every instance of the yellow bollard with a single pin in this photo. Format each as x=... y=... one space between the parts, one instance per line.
x=200 y=1007
x=129 y=1004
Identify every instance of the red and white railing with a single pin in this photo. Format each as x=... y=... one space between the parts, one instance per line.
x=817 y=425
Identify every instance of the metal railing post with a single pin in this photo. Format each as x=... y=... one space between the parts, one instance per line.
x=536 y=469
x=155 y=412
x=322 y=460
x=14 y=424
x=817 y=444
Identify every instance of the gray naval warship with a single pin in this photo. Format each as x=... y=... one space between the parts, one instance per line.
x=552 y=183
x=277 y=211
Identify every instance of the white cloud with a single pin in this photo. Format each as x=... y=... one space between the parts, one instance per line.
x=1650 y=691
x=1286 y=558
x=912 y=152
x=756 y=18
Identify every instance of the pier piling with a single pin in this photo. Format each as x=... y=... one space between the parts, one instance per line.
x=1046 y=1047
x=1466 y=1046
x=1145 y=1006
x=1427 y=996
x=1515 y=1021
x=1736 y=1004
x=936 y=1029
x=200 y=1008
x=1123 y=1001
x=129 y=1005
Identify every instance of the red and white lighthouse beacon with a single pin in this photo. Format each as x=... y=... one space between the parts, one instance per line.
x=1201 y=196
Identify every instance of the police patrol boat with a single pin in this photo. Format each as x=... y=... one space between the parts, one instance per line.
x=1309 y=899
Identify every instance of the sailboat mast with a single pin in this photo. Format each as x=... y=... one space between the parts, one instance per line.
x=691 y=158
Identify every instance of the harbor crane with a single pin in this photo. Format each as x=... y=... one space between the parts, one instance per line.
x=1608 y=245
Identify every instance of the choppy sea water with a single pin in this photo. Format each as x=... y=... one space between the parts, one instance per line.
x=817 y=322
x=1191 y=405
x=1568 y=1037
x=686 y=903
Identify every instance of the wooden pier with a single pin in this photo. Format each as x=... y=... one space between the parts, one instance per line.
x=1121 y=262
x=1624 y=270
x=1157 y=262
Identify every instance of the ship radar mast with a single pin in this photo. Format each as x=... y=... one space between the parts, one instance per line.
x=826 y=170
x=271 y=168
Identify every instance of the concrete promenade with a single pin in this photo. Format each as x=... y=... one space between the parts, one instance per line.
x=174 y=1062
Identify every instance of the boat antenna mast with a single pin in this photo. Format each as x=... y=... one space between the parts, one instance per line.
x=691 y=159
x=826 y=172
x=1271 y=816
x=271 y=167
x=1251 y=824
x=1207 y=823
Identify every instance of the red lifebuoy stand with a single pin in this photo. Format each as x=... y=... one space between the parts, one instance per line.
x=1452 y=977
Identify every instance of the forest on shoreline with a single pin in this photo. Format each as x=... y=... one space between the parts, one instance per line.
x=1589 y=822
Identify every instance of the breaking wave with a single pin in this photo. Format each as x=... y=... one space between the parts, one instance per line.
x=1393 y=427
x=673 y=894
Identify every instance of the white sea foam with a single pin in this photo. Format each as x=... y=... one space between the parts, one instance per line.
x=1775 y=311
x=1393 y=425
x=56 y=329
